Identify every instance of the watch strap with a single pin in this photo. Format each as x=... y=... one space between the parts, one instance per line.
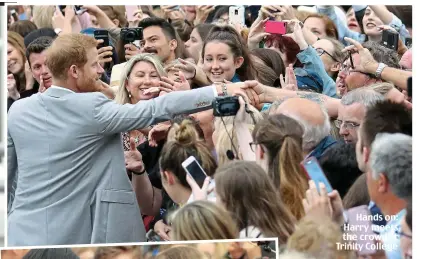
x=380 y=69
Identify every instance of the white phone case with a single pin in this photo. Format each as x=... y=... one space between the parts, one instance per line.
x=236 y=15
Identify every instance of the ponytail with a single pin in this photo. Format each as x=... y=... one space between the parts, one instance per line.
x=184 y=141
x=292 y=176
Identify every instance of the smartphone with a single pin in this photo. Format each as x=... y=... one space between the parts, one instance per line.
x=409 y=43
x=315 y=173
x=101 y=34
x=236 y=15
x=275 y=27
x=359 y=225
x=130 y=11
x=62 y=9
x=390 y=39
x=78 y=9
x=194 y=169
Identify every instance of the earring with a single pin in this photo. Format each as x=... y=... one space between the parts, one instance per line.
x=129 y=94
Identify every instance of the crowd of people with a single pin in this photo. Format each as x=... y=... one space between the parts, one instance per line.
x=234 y=250
x=98 y=128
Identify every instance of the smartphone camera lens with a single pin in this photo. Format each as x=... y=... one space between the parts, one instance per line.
x=236 y=12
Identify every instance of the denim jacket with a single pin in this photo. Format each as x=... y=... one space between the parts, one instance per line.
x=344 y=31
x=312 y=62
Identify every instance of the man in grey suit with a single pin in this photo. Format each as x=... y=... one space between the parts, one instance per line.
x=65 y=150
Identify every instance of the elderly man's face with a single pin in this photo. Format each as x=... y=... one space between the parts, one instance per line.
x=349 y=119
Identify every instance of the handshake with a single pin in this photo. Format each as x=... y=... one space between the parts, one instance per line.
x=252 y=92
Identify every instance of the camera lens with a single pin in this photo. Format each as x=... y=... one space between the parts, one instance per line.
x=236 y=12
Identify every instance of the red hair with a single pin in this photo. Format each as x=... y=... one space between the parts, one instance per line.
x=286 y=45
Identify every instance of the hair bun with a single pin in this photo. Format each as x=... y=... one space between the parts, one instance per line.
x=186 y=134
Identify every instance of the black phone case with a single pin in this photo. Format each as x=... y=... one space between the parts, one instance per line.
x=102 y=35
x=390 y=40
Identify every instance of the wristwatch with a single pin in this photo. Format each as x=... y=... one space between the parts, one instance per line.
x=379 y=70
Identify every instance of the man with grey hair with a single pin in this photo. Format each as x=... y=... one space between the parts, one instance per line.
x=315 y=121
x=389 y=181
x=352 y=109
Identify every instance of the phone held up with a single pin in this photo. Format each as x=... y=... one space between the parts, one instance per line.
x=390 y=39
x=236 y=15
x=195 y=170
x=101 y=34
x=275 y=27
x=315 y=173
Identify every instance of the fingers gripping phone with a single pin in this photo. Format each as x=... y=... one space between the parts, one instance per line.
x=195 y=170
x=275 y=27
x=236 y=15
x=315 y=173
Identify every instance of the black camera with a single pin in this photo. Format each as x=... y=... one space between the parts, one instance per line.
x=225 y=106
x=129 y=35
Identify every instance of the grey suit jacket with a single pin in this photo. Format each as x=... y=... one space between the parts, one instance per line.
x=65 y=151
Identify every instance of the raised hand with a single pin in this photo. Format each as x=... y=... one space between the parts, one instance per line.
x=131 y=50
x=29 y=79
x=297 y=35
x=12 y=89
x=188 y=69
x=158 y=133
x=284 y=12
x=367 y=62
x=256 y=33
x=42 y=87
x=289 y=82
x=197 y=192
x=133 y=158
x=104 y=54
x=202 y=12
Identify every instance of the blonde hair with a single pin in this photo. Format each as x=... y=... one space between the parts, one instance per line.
x=223 y=143
x=42 y=15
x=113 y=251
x=122 y=96
x=208 y=221
x=382 y=88
x=181 y=252
x=318 y=236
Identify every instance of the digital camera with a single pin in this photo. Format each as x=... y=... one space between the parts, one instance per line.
x=225 y=106
x=129 y=35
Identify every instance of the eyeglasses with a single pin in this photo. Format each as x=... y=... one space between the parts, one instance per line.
x=320 y=52
x=347 y=69
x=347 y=124
x=253 y=146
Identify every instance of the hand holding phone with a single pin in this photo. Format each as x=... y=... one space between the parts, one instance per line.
x=315 y=173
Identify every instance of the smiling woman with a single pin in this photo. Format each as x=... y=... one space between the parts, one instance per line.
x=225 y=56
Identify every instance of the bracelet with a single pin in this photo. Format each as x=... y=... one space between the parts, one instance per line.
x=379 y=70
x=224 y=89
x=141 y=173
